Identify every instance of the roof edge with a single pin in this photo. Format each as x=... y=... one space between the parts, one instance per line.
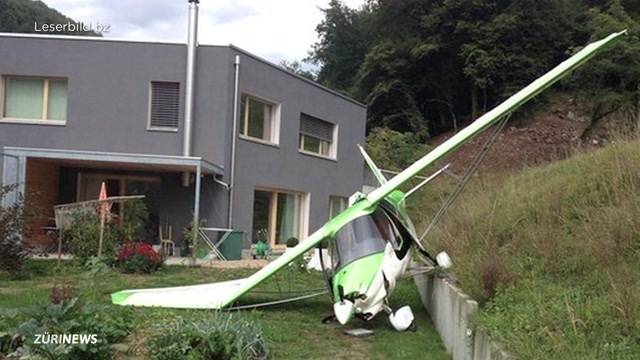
x=309 y=81
x=231 y=46
x=85 y=38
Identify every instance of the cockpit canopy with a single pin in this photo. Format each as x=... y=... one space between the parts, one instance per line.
x=366 y=235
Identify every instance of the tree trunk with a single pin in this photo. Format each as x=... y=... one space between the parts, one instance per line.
x=474 y=102
x=638 y=111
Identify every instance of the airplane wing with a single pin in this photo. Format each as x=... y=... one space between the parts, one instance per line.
x=220 y=295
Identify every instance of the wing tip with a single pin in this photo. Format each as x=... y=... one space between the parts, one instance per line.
x=119 y=298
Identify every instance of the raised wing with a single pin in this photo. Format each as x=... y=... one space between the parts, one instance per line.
x=219 y=295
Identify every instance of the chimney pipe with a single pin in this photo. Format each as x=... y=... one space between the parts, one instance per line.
x=192 y=39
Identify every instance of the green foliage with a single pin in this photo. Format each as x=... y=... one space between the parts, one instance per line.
x=552 y=254
x=390 y=149
x=292 y=242
x=82 y=236
x=422 y=64
x=610 y=83
x=291 y=331
x=134 y=220
x=296 y=68
x=218 y=336
x=12 y=250
x=34 y=337
x=21 y=16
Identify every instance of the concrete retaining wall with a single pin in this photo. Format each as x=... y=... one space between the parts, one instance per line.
x=451 y=311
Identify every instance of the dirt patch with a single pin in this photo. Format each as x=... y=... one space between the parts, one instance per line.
x=549 y=134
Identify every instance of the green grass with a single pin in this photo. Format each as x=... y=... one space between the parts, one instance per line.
x=553 y=254
x=293 y=331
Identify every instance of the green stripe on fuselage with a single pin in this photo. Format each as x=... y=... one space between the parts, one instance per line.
x=357 y=276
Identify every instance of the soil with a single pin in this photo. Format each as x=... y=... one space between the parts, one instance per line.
x=546 y=135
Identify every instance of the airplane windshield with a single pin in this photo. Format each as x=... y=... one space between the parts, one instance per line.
x=361 y=237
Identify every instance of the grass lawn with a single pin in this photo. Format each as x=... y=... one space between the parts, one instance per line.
x=553 y=255
x=293 y=331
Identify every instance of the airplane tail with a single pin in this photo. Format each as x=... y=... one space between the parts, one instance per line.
x=372 y=166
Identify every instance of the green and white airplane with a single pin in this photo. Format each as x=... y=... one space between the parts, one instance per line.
x=370 y=242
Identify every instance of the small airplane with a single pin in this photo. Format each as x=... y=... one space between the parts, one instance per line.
x=371 y=242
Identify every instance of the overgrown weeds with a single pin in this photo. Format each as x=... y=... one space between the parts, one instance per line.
x=553 y=254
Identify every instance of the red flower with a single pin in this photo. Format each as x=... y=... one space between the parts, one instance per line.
x=130 y=249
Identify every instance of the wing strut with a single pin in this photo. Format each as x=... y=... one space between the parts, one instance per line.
x=473 y=167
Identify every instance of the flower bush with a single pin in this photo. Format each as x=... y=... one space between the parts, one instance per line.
x=138 y=257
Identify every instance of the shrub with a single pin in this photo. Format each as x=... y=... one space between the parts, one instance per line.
x=137 y=257
x=82 y=236
x=219 y=336
x=292 y=242
x=12 y=250
x=134 y=219
x=68 y=317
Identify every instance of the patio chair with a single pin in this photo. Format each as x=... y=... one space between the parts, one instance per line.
x=167 y=246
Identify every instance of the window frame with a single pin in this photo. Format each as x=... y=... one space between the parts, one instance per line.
x=275 y=120
x=45 y=101
x=302 y=216
x=344 y=204
x=150 y=99
x=333 y=145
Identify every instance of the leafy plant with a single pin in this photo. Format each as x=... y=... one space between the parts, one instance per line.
x=138 y=258
x=219 y=336
x=34 y=338
x=82 y=236
x=134 y=219
x=292 y=242
x=191 y=234
x=13 y=253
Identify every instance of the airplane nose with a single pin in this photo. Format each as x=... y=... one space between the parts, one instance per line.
x=344 y=311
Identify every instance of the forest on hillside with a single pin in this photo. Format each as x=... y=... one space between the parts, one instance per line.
x=429 y=66
x=19 y=16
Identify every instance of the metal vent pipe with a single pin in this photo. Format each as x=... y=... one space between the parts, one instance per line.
x=192 y=39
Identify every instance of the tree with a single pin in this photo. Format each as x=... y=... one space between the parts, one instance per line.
x=393 y=150
x=342 y=45
x=20 y=16
x=420 y=65
x=611 y=83
x=296 y=68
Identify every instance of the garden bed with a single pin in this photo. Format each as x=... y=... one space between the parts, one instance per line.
x=292 y=331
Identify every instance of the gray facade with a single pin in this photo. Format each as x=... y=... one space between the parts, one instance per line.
x=108 y=110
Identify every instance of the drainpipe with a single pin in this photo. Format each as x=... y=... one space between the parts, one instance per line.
x=192 y=38
x=234 y=136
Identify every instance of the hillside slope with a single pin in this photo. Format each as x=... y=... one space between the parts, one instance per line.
x=551 y=131
x=19 y=16
x=553 y=254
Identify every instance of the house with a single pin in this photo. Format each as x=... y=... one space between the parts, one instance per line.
x=157 y=119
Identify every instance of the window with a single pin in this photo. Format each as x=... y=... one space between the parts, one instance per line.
x=337 y=204
x=277 y=216
x=164 y=107
x=258 y=119
x=316 y=136
x=32 y=99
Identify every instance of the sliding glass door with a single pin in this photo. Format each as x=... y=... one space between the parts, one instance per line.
x=277 y=216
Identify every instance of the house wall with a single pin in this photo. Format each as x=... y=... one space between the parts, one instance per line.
x=108 y=93
x=108 y=101
x=283 y=166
